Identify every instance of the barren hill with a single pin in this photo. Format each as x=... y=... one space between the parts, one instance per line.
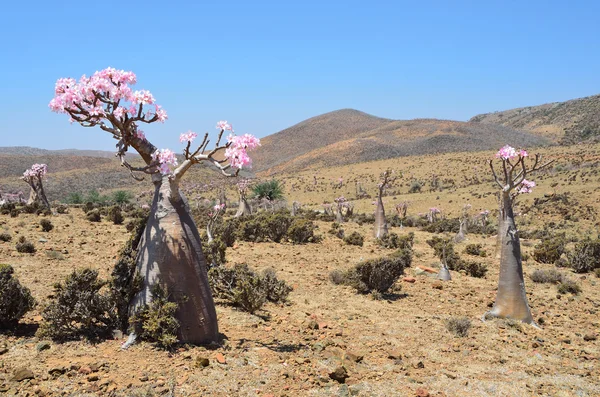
x=565 y=122
x=32 y=151
x=349 y=136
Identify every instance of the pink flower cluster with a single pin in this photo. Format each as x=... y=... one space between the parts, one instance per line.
x=434 y=210
x=165 y=157
x=219 y=207
x=187 y=137
x=36 y=171
x=526 y=186
x=484 y=213
x=224 y=126
x=96 y=96
x=236 y=153
x=508 y=152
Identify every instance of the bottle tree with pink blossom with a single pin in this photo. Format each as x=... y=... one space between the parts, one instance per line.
x=170 y=252
x=511 y=299
x=34 y=178
x=381 y=226
x=244 y=208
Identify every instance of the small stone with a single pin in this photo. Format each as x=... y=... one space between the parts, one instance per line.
x=318 y=347
x=409 y=279
x=58 y=370
x=437 y=285
x=419 y=365
x=202 y=362
x=450 y=375
x=313 y=325
x=21 y=374
x=394 y=355
x=220 y=358
x=143 y=378
x=3 y=350
x=43 y=345
x=339 y=375
x=92 y=378
x=42 y=240
x=355 y=357
x=95 y=367
x=589 y=337
x=420 y=392
x=85 y=370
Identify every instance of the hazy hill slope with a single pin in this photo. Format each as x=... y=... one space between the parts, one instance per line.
x=388 y=140
x=312 y=134
x=31 y=151
x=565 y=122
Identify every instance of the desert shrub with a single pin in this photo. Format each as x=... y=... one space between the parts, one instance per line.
x=32 y=208
x=6 y=237
x=24 y=246
x=6 y=208
x=15 y=299
x=524 y=256
x=214 y=252
x=270 y=190
x=46 y=225
x=415 y=221
x=125 y=283
x=74 y=198
x=569 y=286
x=93 y=216
x=355 y=238
x=88 y=206
x=131 y=225
x=246 y=289
x=227 y=230
x=276 y=225
x=115 y=215
x=251 y=229
x=550 y=249
x=546 y=276
x=475 y=250
x=302 y=231
x=14 y=213
x=362 y=219
x=54 y=255
x=444 y=249
x=415 y=187
x=378 y=274
x=473 y=269
x=62 y=209
x=156 y=322
x=336 y=230
x=78 y=308
x=585 y=256
x=597 y=272
x=122 y=197
x=449 y=225
x=337 y=277
x=459 y=326
x=94 y=197
x=393 y=241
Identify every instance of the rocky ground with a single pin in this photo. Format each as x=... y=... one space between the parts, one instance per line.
x=327 y=341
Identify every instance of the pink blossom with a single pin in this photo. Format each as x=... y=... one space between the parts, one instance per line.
x=224 y=126
x=36 y=171
x=236 y=152
x=119 y=112
x=187 y=137
x=219 y=207
x=507 y=152
x=143 y=96
x=523 y=153
x=434 y=210
x=140 y=134
x=526 y=186
x=165 y=157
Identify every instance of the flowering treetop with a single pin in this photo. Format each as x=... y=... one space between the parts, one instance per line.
x=106 y=99
x=514 y=170
x=36 y=171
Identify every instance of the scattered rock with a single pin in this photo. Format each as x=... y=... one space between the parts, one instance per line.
x=42 y=240
x=220 y=358
x=419 y=365
x=318 y=347
x=92 y=378
x=428 y=269
x=420 y=392
x=355 y=357
x=85 y=370
x=437 y=285
x=589 y=337
x=3 y=350
x=409 y=279
x=339 y=375
x=201 y=362
x=313 y=325
x=43 y=345
x=57 y=370
x=21 y=374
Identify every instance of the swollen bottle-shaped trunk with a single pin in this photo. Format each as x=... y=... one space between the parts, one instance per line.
x=381 y=228
x=170 y=253
x=33 y=196
x=511 y=299
x=243 y=209
x=339 y=218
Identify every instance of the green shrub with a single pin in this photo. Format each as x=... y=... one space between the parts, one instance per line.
x=585 y=257
x=227 y=230
x=74 y=198
x=473 y=269
x=251 y=229
x=376 y=274
x=302 y=231
x=6 y=208
x=337 y=277
x=115 y=215
x=270 y=190
x=214 y=252
x=93 y=216
x=597 y=272
x=546 y=276
x=246 y=289
x=32 y=208
x=62 y=209
x=6 y=237
x=336 y=231
x=78 y=308
x=459 y=326
x=355 y=238
x=15 y=300
x=569 y=286
x=362 y=219
x=276 y=225
x=24 y=246
x=415 y=187
x=89 y=206
x=475 y=250
x=443 y=226
x=444 y=249
x=14 y=213
x=46 y=225
x=122 y=196
x=393 y=241
x=156 y=322
x=550 y=249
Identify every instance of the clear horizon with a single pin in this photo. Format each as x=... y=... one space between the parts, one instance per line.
x=266 y=66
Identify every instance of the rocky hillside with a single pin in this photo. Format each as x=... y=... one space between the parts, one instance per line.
x=349 y=136
x=567 y=122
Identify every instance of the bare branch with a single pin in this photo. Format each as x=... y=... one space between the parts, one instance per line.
x=491 y=163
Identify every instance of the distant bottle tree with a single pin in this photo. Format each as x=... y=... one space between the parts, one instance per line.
x=511 y=299
x=170 y=247
x=381 y=226
x=34 y=178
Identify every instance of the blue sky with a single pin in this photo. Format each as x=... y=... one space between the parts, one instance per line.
x=266 y=65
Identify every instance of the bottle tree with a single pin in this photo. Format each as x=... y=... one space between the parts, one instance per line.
x=34 y=178
x=170 y=250
x=244 y=208
x=381 y=226
x=511 y=299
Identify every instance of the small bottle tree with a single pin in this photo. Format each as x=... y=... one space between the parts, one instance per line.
x=340 y=205
x=244 y=208
x=34 y=178
x=511 y=299
x=217 y=210
x=170 y=250
x=381 y=226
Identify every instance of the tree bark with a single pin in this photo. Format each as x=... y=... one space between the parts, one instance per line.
x=243 y=209
x=511 y=299
x=381 y=227
x=33 y=196
x=170 y=253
